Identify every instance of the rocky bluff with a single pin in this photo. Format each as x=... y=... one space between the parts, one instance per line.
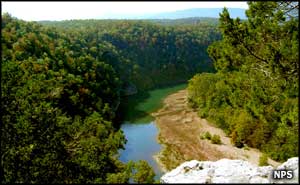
x=228 y=171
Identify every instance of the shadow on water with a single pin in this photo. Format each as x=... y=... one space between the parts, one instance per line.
x=129 y=111
x=130 y=107
x=137 y=108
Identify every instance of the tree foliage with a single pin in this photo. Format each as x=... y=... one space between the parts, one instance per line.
x=254 y=94
x=144 y=174
x=61 y=85
x=146 y=53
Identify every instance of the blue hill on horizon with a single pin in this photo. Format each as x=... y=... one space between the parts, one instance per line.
x=200 y=12
x=194 y=12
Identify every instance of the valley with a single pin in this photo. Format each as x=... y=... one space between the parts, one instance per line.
x=113 y=101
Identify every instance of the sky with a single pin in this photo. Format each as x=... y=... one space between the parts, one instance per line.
x=36 y=11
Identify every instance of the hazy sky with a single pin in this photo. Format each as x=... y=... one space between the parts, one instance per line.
x=35 y=11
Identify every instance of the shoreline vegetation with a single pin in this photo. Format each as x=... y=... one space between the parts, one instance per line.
x=180 y=129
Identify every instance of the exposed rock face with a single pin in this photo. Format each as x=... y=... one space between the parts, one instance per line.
x=227 y=171
x=291 y=164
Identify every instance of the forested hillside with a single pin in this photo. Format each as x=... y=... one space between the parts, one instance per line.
x=254 y=94
x=61 y=85
x=186 y=21
x=144 y=52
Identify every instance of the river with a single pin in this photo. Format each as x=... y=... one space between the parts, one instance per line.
x=139 y=126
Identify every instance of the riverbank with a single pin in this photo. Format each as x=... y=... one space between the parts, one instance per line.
x=180 y=129
x=139 y=128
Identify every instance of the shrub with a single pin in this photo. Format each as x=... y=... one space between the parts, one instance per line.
x=207 y=135
x=246 y=147
x=263 y=160
x=202 y=136
x=216 y=139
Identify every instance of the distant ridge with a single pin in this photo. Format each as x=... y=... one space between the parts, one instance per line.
x=194 y=12
x=200 y=12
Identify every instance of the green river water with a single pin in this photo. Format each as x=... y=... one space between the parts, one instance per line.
x=139 y=126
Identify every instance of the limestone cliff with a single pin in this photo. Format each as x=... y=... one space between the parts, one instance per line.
x=228 y=171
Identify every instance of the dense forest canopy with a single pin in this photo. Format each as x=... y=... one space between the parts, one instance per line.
x=146 y=53
x=61 y=86
x=254 y=94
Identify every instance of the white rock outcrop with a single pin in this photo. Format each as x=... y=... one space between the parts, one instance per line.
x=228 y=171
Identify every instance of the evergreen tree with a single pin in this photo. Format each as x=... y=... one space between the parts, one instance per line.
x=258 y=66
